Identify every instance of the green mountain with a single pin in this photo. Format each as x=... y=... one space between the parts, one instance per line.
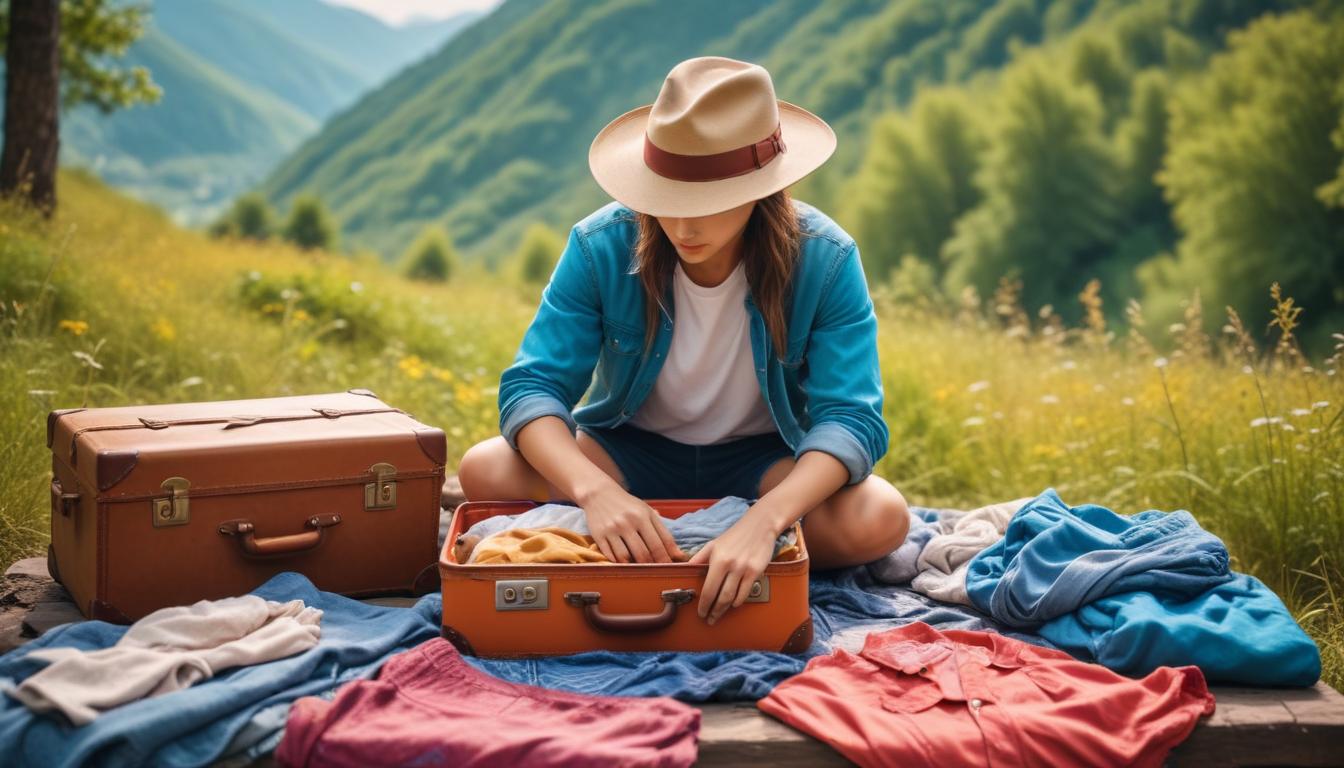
x=208 y=136
x=244 y=81
x=1051 y=142
x=492 y=131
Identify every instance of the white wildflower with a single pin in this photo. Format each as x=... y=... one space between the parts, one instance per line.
x=978 y=386
x=1160 y=362
x=973 y=421
x=1049 y=399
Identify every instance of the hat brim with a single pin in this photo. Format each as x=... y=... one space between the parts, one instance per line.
x=616 y=159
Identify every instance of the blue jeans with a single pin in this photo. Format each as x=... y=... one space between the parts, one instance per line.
x=657 y=467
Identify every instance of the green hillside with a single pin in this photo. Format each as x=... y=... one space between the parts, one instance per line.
x=1038 y=149
x=244 y=82
x=493 y=130
x=262 y=53
x=207 y=137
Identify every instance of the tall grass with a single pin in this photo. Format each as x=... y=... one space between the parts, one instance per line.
x=109 y=304
x=986 y=403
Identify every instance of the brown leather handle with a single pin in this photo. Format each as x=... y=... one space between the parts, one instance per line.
x=629 y=622
x=271 y=546
x=60 y=501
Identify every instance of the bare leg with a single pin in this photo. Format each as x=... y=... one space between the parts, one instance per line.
x=491 y=470
x=857 y=524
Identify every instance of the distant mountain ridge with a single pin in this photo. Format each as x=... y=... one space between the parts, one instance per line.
x=492 y=131
x=245 y=81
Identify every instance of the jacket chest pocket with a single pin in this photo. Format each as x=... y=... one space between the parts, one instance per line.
x=621 y=341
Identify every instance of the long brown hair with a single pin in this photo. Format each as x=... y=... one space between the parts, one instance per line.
x=770 y=246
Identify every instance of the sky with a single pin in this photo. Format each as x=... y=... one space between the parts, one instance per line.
x=396 y=12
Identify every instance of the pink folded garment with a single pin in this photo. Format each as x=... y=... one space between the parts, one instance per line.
x=429 y=707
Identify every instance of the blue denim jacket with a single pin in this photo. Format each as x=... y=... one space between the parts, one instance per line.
x=825 y=394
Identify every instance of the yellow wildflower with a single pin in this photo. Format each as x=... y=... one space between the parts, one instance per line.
x=412 y=366
x=163 y=329
x=272 y=308
x=1046 y=451
x=76 y=327
x=301 y=315
x=443 y=374
x=466 y=395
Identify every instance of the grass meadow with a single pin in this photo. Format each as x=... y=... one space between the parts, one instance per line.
x=108 y=303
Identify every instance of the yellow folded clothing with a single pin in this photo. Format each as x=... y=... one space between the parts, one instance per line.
x=538 y=545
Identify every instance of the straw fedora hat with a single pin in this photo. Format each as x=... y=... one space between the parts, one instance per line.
x=715 y=138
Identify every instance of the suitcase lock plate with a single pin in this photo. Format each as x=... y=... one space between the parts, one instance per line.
x=521 y=595
x=381 y=493
x=173 y=509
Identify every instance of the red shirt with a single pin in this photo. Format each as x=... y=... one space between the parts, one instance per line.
x=917 y=696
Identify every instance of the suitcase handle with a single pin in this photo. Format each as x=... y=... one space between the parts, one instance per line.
x=61 y=501
x=629 y=622
x=271 y=546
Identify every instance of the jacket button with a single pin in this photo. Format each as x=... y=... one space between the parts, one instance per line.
x=975 y=703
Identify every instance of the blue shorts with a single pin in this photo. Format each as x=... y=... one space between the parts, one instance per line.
x=657 y=467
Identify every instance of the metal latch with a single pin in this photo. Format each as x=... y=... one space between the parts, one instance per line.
x=760 y=591
x=173 y=509
x=521 y=595
x=381 y=493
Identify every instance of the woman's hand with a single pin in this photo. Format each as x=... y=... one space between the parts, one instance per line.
x=736 y=559
x=628 y=530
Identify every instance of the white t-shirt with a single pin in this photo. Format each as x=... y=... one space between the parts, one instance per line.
x=707 y=392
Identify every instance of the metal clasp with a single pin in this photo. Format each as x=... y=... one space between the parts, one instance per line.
x=172 y=510
x=381 y=493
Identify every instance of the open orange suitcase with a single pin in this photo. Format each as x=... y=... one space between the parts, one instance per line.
x=515 y=611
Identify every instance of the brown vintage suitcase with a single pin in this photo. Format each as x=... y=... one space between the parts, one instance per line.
x=158 y=505
x=516 y=611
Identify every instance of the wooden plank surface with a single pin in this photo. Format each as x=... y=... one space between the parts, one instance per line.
x=1251 y=726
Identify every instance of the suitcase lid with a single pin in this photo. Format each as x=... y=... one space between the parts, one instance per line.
x=127 y=452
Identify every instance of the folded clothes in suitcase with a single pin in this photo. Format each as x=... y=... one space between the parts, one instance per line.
x=513 y=610
x=167 y=504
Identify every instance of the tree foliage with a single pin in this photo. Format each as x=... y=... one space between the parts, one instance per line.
x=537 y=254
x=310 y=225
x=250 y=217
x=431 y=257
x=93 y=34
x=1253 y=169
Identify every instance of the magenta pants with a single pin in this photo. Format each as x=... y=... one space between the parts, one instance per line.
x=429 y=707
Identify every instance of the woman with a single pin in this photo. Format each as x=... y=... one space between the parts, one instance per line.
x=769 y=388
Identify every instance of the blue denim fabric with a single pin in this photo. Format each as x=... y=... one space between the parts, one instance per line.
x=1138 y=592
x=1238 y=632
x=1054 y=558
x=824 y=389
x=196 y=725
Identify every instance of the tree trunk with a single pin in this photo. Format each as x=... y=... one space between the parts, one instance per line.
x=32 y=137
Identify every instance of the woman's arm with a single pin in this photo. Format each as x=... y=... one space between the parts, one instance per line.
x=552 y=369
x=739 y=555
